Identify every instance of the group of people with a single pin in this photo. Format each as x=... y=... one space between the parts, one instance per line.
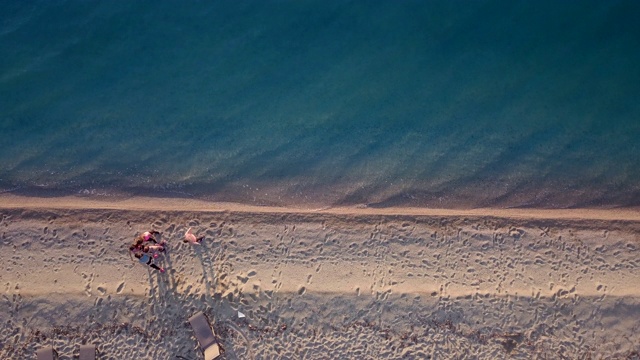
x=146 y=247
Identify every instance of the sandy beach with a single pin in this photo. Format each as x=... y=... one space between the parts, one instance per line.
x=357 y=179
x=326 y=283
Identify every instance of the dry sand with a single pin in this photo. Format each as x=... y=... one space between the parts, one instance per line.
x=343 y=283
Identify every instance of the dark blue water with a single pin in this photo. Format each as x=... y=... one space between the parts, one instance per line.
x=422 y=103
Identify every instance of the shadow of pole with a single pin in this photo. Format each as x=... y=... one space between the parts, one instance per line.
x=203 y=253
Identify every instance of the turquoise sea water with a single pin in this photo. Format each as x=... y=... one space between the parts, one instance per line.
x=421 y=103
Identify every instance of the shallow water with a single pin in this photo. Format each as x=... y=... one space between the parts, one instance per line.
x=439 y=104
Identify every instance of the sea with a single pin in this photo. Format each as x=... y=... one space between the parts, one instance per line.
x=437 y=104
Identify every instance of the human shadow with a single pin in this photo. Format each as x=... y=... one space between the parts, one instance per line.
x=167 y=296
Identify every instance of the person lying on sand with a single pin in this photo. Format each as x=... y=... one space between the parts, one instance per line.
x=147 y=236
x=146 y=259
x=139 y=248
x=154 y=249
x=189 y=237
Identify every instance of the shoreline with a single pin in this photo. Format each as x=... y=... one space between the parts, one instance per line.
x=193 y=205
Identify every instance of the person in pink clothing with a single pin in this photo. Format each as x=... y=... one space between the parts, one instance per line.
x=147 y=236
x=190 y=238
x=146 y=242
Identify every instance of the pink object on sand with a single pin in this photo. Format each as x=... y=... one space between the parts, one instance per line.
x=190 y=237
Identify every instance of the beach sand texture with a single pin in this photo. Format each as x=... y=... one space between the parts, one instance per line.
x=349 y=283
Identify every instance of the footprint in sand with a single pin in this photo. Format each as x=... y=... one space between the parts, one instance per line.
x=120 y=288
